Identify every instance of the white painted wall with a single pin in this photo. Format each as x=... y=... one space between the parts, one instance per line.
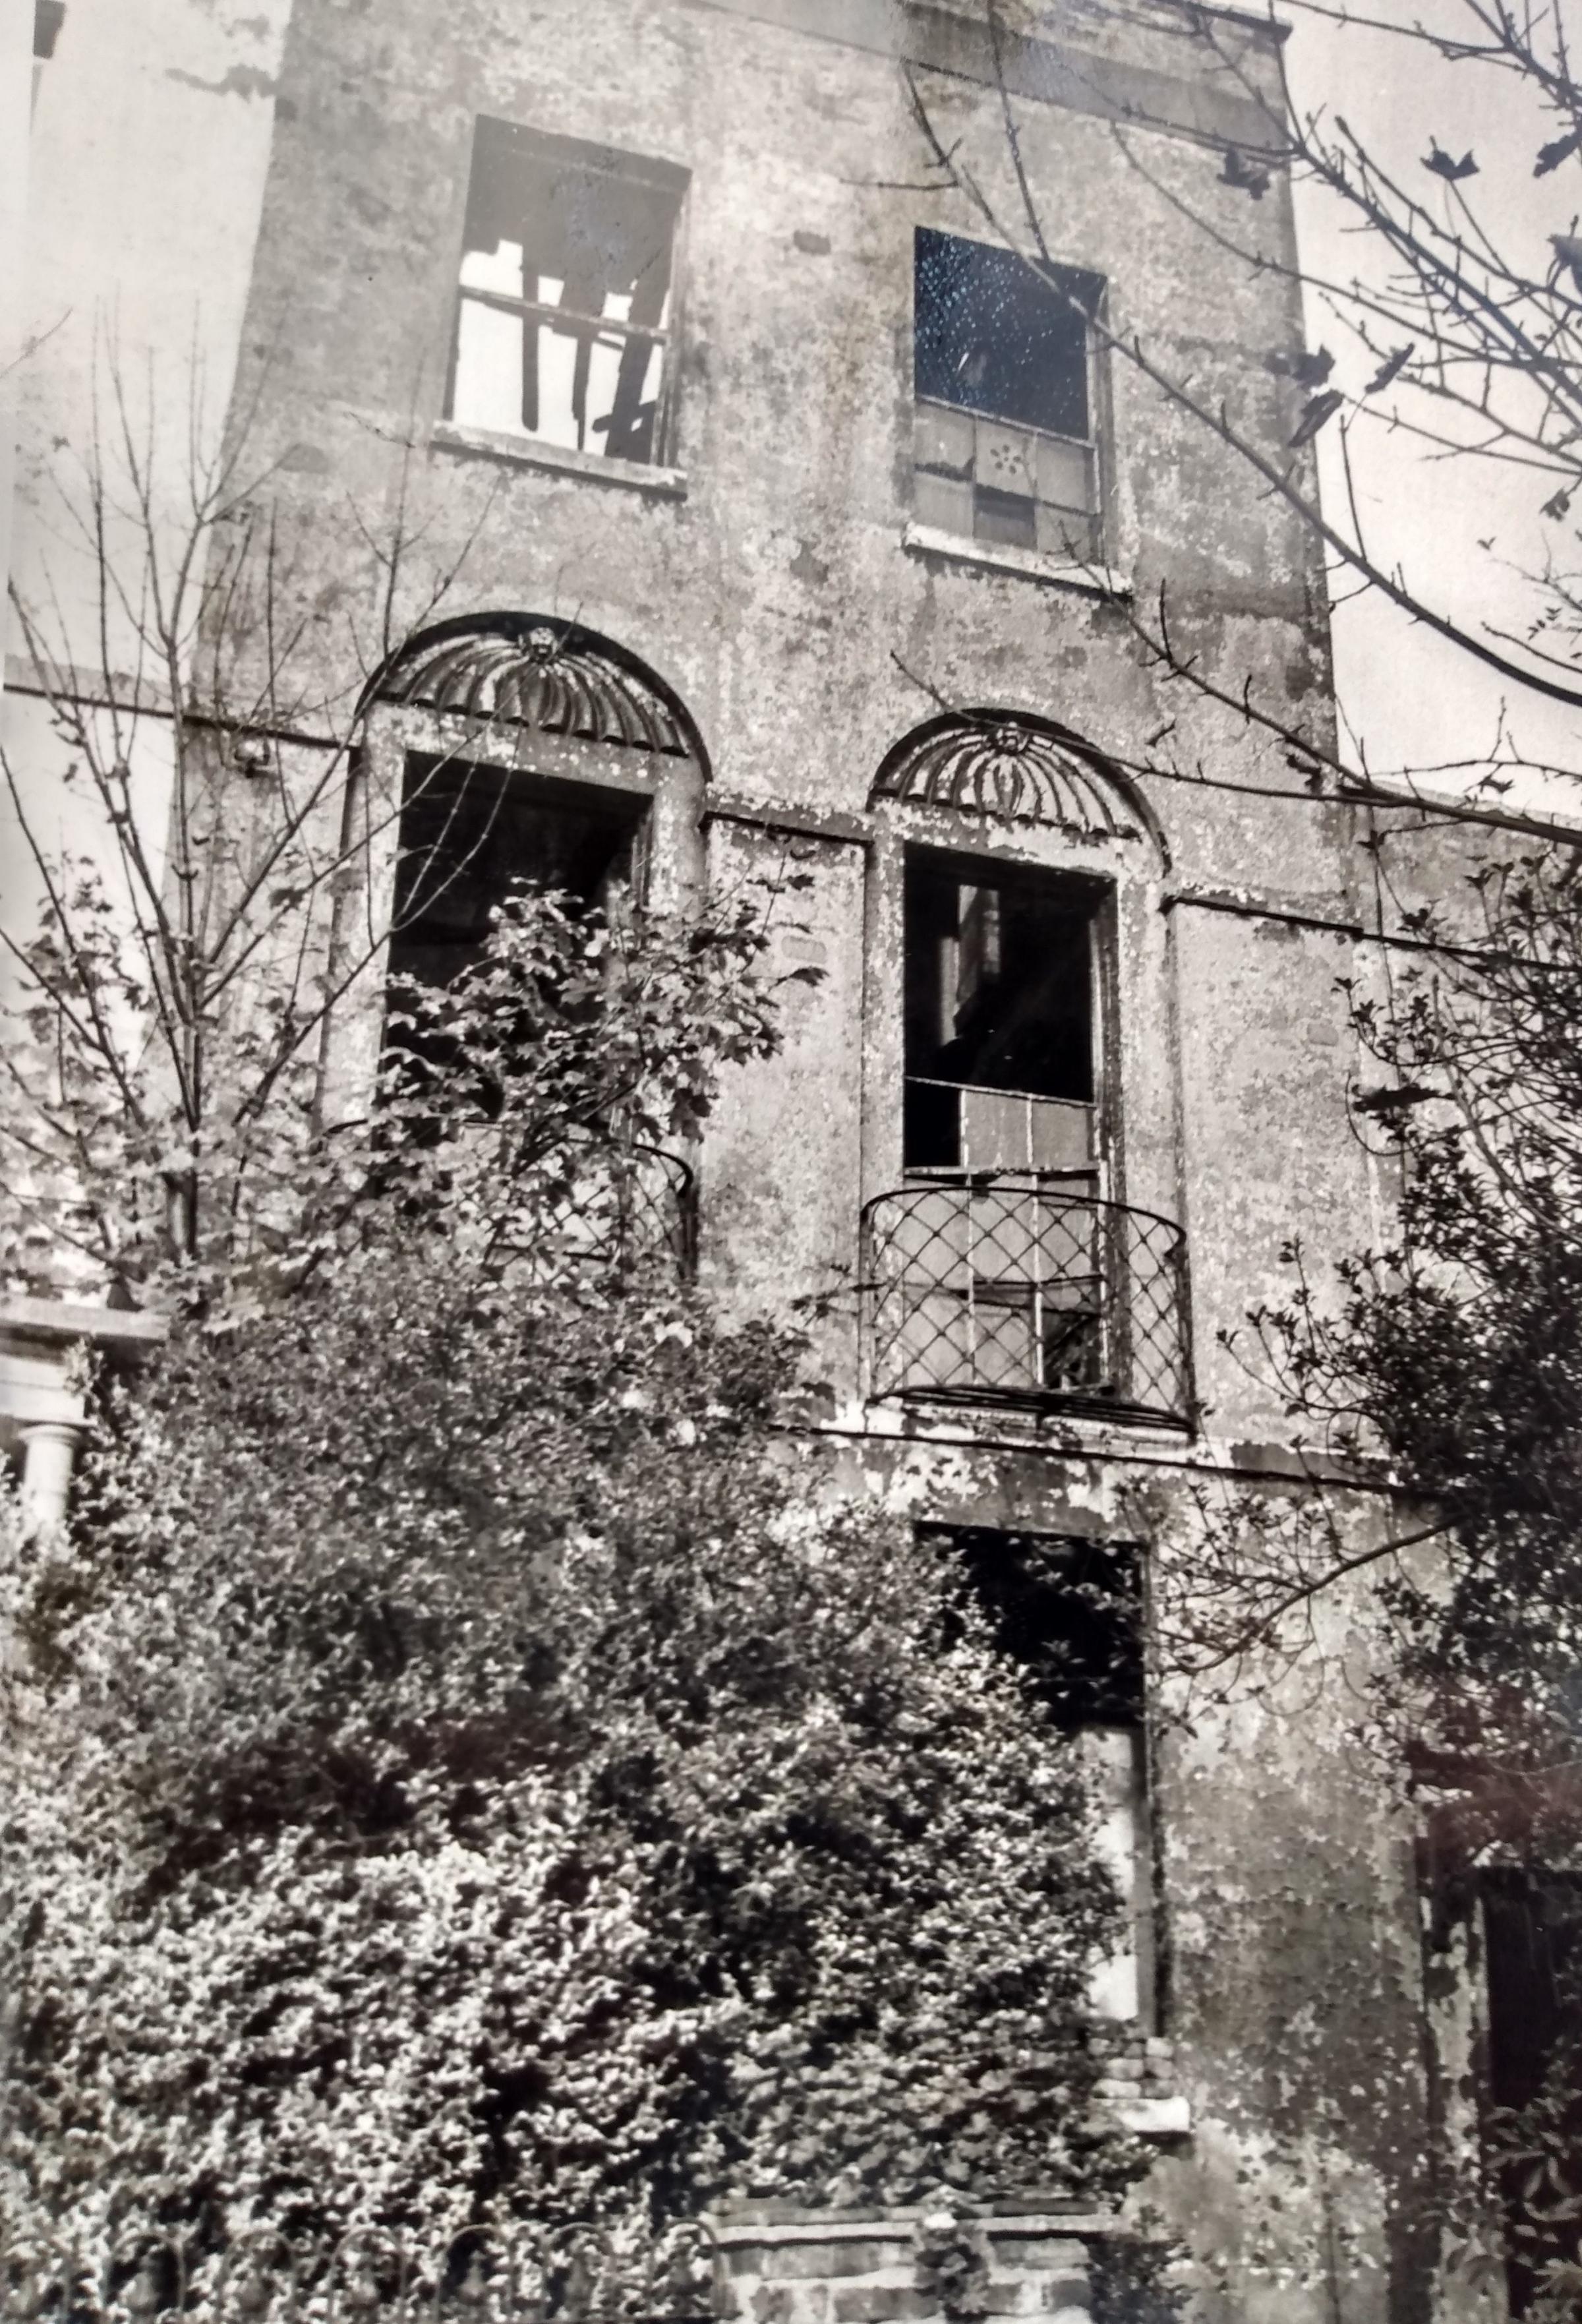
x=150 y=144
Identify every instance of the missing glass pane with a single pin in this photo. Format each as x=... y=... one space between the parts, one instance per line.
x=565 y=292
x=470 y=834
x=1000 y=1009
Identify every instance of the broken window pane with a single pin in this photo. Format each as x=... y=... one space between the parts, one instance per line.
x=1005 y=446
x=565 y=292
x=1000 y=986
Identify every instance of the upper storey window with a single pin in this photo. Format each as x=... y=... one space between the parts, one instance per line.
x=1007 y=440
x=566 y=293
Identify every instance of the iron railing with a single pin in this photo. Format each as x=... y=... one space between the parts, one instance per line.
x=1011 y=1287
x=595 y=1207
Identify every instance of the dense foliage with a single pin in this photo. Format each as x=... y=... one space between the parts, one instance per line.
x=1449 y=1357
x=460 y=1784
x=1455 y=1349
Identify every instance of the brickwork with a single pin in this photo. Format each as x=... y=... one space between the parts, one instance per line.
x=778 y=2265
x=1139 y=2086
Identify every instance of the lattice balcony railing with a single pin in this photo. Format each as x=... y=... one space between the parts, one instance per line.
x=599 y=1207
x=1007 y=1287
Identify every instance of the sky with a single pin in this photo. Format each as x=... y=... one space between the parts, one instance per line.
x=1463 y=532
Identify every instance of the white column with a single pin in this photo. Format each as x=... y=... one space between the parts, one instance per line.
x=48 y=1452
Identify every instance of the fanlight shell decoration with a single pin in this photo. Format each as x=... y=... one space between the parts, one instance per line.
x=540 y=673
x=1012 y=769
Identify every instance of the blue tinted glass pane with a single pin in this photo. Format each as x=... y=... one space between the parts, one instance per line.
x=993 y=336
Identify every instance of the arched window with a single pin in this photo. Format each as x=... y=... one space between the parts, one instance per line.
x=1008 y=768
x=497 y=748
x=1012 y=1262
x=533 y=750
x=1008 y=949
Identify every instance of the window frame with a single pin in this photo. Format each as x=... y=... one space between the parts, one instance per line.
x=594 y=158
x=970 y=867
x=1096 y=446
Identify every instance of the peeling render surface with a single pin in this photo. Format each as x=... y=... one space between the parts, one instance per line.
x=753 y=553
x=150 y=145
x=760 y=566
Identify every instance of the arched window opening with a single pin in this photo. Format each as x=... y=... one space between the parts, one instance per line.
x=504 y=750
x=1006 y=1267
x=521 y=748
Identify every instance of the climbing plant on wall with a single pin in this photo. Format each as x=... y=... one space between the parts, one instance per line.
x=467 y=1807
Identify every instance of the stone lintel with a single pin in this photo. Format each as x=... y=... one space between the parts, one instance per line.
x=63 y=1322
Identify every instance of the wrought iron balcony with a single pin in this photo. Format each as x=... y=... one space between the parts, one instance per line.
x=594 y=1206
x=1015 y=1288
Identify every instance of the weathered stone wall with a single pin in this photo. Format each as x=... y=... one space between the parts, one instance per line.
x=768 y=582
x=771 y=584
x=767 y=579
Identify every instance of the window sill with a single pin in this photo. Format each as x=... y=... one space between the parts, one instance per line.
x=1154 y=2117
x=1030 y=564
x=560 y=459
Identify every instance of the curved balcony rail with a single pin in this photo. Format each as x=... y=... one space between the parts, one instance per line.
x=599 y=1208
x=592 y=1205
x=1011 y=1287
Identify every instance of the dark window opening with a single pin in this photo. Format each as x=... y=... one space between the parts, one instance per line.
x=999 y=997
x=565 y=292
x=1532 y=1929
x=469 y=835
x=1070 y=1613
x=1006 y=441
